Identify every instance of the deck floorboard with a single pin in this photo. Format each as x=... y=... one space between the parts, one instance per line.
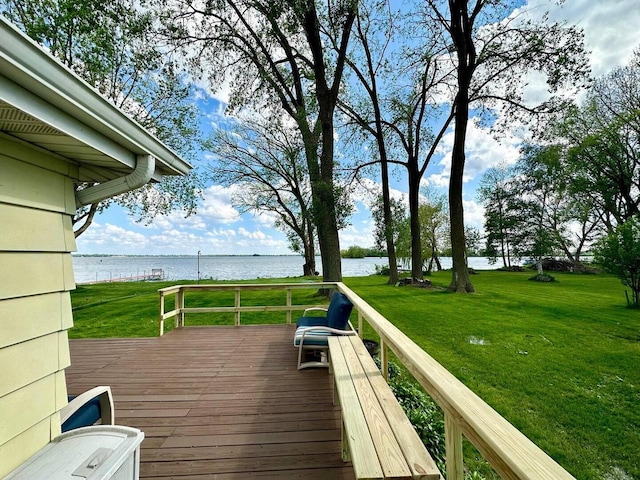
x=218 y=403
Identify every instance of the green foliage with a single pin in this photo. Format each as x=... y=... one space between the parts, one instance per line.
x=264 y=160
x=619 y=253
x=111 y=45
x=497 y=195
x=542 y=277
x=398 y=219
x=360 y=252
x=433 y=229
x=423 y=413
x=602 y=135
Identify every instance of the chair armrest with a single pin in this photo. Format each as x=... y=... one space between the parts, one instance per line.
x=333 y=331
x=106 y=405
x=314 y=309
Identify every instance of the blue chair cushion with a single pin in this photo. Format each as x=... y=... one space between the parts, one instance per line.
x=84 y=417
x=312 y=322
x=339 y=311
x=315 y=339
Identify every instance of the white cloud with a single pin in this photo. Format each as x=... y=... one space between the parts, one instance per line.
x=366 y=191
x=255 y=235
x=610 y=26
x=106 y=235
x=217 y=206
x=483 y=151
x=361 y=237
x=473 y=214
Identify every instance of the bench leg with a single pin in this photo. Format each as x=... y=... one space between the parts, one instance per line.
x=346 y=456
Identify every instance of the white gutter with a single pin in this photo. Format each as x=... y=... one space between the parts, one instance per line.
x=145 y=167
x=26 y=64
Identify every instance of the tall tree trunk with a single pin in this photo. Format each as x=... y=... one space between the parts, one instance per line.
x=323 y=192
x=461 y=33
x=414 y=220
x=460 y=281
x=388 y=218
x=309 y=268
x=324 y=200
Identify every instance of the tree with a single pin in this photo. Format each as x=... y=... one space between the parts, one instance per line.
x=367 y=114
x=532 y=238
x=433 y=225
x=383 y=227
x=569 y=217
x=400 y=102
x=603 y=140
x=265 y=161
x=434 y=230
x=111 y=45
x=619 y=254
x=278 y=53
x=474 y=241
x=492 y=54
x=496 y=193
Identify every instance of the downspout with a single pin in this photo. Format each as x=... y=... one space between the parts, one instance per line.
x=145 y=166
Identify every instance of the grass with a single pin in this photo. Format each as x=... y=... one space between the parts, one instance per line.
x=560 y=361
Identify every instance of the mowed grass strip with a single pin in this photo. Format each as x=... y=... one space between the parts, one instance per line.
x=560 y=361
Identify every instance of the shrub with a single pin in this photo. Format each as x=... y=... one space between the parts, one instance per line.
x=619 y=254
x=543 y=278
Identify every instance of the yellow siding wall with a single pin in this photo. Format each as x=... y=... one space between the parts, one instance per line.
x=36 y=204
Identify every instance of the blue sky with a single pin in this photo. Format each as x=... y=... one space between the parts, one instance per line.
x=611 y=33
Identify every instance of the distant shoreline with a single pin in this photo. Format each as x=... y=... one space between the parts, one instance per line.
x=185 y=256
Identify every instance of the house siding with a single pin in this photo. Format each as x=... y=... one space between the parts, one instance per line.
x=36 y=205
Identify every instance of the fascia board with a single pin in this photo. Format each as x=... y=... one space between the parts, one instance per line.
x=49 y=114
x=26 y=64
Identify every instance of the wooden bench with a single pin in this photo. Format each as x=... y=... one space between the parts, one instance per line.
x=376 y=434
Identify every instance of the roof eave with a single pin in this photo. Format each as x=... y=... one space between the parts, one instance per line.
x=28 y=65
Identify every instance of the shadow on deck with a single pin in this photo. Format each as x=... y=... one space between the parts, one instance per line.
x=218 y=402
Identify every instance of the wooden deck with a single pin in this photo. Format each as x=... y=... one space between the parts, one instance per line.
x=218 y=403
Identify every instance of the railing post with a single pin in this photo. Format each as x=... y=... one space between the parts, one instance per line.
x=453 y=446
x=360 y=324
x=288 y=306
x=161 y=319
x=176 y=303
x=384 y=359
x=179 y=321
x=237 y=307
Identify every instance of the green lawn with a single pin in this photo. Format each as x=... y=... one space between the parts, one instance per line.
x=560 y=361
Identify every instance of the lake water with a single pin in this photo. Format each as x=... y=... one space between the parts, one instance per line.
x=95 y=268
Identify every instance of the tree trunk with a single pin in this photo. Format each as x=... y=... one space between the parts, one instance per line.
x=321 y=175
x=388 y=220
x=414 y=220
x=461 y=34
x=460 y=281
x=309 y=267
x=324 y=201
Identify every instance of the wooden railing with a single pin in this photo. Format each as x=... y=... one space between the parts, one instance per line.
x=508 y=451
x=179 y=310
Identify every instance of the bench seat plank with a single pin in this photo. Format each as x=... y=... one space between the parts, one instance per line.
x=361 y=448
x=389 y=452
x=417 y=457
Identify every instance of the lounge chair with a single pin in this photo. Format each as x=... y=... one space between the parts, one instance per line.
x=312 y=332
x=87 y=409
x=336 y=316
